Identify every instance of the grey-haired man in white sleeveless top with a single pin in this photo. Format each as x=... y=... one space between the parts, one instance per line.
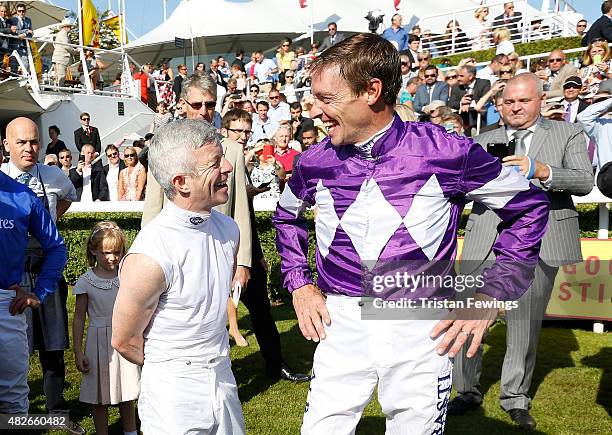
x=170 y=313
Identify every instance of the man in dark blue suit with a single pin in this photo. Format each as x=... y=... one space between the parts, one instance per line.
x=431 y=90
x=24 y=30
x=602 y=28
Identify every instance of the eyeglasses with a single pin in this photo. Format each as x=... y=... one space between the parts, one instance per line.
x=427 y=76
x=129 y=156
x=451 y=77
x=240 y=131
x=84 y=119
x=112 y=155
x=198 y=105
x=557 y=59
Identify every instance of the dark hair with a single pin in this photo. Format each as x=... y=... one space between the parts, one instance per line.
x=295 y=105
x=235 y=115
x=254 y=86
x=84 y=114
x=430 y=67
x=240 y=52
x=470 y=69
x=333 y=23
x=412 y=37
x=309 y=128
x=21 y=5
x=110 y=147
x=138 y=143
x=361 y=58
x=148 y=136
x=605 y=7
x=56 y=128
x=262 y=103
x=286 y=40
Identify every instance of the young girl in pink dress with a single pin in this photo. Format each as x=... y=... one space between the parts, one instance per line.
x=108 y=378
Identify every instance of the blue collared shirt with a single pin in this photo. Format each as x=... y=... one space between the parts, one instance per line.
x=599 y=128
x=400 y=36
x=21 y=212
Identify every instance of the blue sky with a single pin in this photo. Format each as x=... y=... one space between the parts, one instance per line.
x=143 y=15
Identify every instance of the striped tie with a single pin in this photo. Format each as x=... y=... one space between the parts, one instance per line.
x=520 y=149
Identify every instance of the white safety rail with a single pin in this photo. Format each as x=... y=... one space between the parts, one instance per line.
x=128 y=88
x=445 y=41
x=595 y=197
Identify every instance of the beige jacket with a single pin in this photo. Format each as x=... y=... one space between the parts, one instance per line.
x=61 y=53
x=556 y=86
x=237 y=206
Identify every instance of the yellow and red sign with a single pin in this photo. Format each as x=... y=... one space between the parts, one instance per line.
x=583 y=290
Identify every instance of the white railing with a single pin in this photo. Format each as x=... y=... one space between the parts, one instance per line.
x=443 y=44
x=31 y=76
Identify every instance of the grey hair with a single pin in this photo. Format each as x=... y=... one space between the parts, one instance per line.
x=170 y=151
x=203 y=83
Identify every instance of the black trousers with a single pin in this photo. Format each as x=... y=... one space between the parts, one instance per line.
x=54 y=373
x=255 y=298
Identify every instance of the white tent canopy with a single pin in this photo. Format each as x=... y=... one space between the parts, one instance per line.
x=42 y=13
x=223 y=26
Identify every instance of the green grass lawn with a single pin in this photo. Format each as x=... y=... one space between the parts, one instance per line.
x=572 y=385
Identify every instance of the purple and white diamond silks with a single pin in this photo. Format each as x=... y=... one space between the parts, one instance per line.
x=405 y=205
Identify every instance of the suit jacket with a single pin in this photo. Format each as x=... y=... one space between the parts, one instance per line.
x=562 y=146
x=5 y=28
x=62 y=53
x=327 y=41
x=513 y=24
x=99 y=187
x=481 y=87
x=81 y=138
x=602 y=28
x=23 y=27
x=237 y=206
x=556 y=86
x=581 y=106
x=440 y=92
x=177 y=85
x=121 y=167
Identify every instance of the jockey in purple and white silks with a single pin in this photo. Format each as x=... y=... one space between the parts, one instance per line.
x=394 y=195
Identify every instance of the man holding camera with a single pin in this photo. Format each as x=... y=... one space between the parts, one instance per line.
x=553 y=156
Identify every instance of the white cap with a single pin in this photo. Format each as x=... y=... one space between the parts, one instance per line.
x=67 y=22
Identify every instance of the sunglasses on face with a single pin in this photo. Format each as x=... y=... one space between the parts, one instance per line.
x=274 y=98
x=66 y=157
x=404 y=63
x=129 y=156
x=423 y=59
x=21 y=10
x=505 y=71
x=558 y=59
x=112 y=155
x=285 y=45
x=198 y=105
x=581 y=25
x=450 y=77
x=572 y=86
x=84 y=119
x=431 y=76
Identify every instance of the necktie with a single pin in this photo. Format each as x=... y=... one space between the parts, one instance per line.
x=520 y=149
x=24 y=178
x=87 y=131
x=568 y=113
x=333 y=39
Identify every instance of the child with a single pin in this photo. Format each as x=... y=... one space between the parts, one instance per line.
x=108 y=378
